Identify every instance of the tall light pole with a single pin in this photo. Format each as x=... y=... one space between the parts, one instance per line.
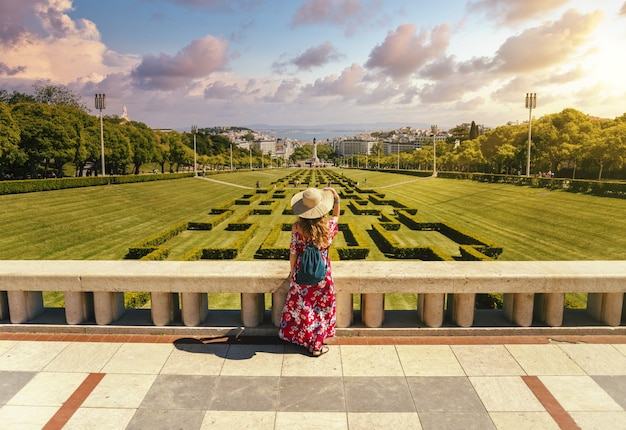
x=398 y=155
x=194 y=131
x=231 y=156
x=433 y=128
x=531 y=102
x=250 y=151
x=101 y=103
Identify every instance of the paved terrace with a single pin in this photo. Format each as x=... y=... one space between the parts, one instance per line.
x=79 y=381
x=530 y=366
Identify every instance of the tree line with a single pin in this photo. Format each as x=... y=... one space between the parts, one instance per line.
x=567 y=144
x=44 y=133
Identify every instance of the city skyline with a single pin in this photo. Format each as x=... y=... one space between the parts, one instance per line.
x=320 y=62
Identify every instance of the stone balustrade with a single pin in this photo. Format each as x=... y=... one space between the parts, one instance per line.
x=533 y=290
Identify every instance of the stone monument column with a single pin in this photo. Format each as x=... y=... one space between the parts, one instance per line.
x=315 y=159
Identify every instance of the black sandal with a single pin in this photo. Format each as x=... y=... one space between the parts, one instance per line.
x=319 y=352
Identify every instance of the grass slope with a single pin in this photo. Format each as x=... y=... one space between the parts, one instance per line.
x=102 y=222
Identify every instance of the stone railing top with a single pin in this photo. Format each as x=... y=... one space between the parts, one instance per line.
x=350 y=276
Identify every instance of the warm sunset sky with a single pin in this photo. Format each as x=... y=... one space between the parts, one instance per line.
x=174 y=63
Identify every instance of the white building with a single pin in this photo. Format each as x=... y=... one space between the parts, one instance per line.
x=348 y=147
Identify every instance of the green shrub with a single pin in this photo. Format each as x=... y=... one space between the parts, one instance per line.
x=211 y=224
x=454 y=233
x=35 y=185
x=471 y=253
x=598 y=188
x=268 y=249
x=158 y=254
x=393 y=249
x=138 y=252
x=268 y=207
x=149 y=245
x=227 y=253
x=359 y=209
x=356 y=249
x=134 y=300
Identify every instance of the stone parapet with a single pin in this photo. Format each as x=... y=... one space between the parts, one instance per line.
x=533 y=290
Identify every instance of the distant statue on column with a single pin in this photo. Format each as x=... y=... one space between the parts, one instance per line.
x=315 y=159
x=125 y=114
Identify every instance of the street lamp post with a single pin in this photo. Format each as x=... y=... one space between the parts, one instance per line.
x=101 y=103
x=250 y=151
x=398 y=143
x=433 y=128
x=531 y=102
x=194 y=130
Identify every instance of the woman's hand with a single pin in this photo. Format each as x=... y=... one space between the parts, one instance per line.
x=332 y=190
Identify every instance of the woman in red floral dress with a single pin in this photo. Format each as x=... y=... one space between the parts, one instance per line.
x=309 y=315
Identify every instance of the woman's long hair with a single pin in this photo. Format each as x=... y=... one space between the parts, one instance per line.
x=317 y=229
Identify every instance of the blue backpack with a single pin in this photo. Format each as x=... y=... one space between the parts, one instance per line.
x=312 y=266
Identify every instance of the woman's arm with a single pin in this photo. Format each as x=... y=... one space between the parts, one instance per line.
x=336 y=209
x=293 y=256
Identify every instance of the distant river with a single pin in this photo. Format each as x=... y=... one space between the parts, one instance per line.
x=305 y=135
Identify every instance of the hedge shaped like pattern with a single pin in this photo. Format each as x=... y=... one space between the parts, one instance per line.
x=154 y=242
x=456 y=234
x=389 y=245
x=226 y=253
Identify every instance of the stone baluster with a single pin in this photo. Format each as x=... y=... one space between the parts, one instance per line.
x=549 y=308
x=606 y=307
x=252 y=309
x=24 y=305
x=345 y=310
x=462 y=308
x=430 y=308
x=165 y=308
x=373 y=309
x=108 y=307
x=195 y=308
x=518 y=308
x=79 y=307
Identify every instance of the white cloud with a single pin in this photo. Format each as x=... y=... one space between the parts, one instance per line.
x=198 y=59
x=403 y=52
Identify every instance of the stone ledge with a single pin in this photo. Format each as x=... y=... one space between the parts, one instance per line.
x=406 y=276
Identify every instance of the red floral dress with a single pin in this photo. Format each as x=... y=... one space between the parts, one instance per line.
x=309 y=315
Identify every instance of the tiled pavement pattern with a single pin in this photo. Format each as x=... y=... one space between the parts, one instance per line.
x=168 y=382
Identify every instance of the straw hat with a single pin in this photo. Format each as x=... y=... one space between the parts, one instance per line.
x=312 y=203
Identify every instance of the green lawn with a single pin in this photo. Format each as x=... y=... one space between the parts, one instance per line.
x=102 y=222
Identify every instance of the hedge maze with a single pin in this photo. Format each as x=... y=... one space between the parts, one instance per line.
x=258 y=225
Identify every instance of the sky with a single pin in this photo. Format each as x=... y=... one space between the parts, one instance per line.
x=174 y=63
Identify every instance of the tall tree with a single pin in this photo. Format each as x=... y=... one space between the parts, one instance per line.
x=143 y=143
x=10 y=152
x=59 y=95
x=118 y=152
x=473 y=133
x=45 y=132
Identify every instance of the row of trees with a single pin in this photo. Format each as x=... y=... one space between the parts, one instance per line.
x=568 y=144
x=42 y=134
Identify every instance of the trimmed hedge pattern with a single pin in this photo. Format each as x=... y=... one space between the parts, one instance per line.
x=227 y=253
x=265 y=201
x=390 y=246
x=456 y=234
